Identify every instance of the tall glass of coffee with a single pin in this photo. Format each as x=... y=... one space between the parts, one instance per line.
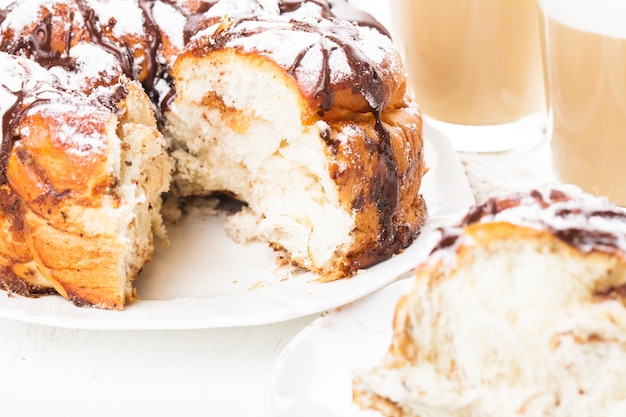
x=474 y=63
x=585 y=62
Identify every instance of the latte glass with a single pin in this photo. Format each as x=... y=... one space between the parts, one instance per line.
x=585 y=62
x=473 y=62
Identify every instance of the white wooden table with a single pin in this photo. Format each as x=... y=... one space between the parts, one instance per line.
x=217 y=372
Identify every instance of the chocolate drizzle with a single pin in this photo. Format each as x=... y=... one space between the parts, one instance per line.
x=368 y=83
x=386 y=185
x=366 y=80
x=8 y=137
x=337 y=9
x=123 y=55
x=11 y=120
x=38 y=47
x=343 y=10
x=323 y=90
x=570 y=215
x=152 y=48
x=290 y=6
x=194 y=19
x=4 y=12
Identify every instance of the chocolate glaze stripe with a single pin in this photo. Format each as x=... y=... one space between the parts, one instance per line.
x=123 y=56
x=290 y=6
x=194 y=19
x=11 y=120
x=154 y=38
x=585 y=239
x=5 y=12
x=323 y=89
x=338 y=9
x=38 y=45
x=368 y=83
x=343 y=10
x=8 y=138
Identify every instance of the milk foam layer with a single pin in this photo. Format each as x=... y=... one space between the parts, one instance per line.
x=605 y=17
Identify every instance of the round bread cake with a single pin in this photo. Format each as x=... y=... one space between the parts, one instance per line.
x=519 y=311
x=298 y=109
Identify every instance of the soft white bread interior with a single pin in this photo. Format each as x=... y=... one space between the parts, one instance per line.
x=518 y=312
x=261 y=152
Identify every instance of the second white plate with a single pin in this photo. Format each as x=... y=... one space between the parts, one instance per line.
x=313 y=375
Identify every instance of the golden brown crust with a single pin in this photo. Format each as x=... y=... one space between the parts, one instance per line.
x=15 y=256
x=377 y=237
x=376 y=402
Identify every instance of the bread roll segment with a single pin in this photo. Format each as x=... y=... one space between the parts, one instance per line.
x=81 y=189
x=336 y=188
x=519 y=311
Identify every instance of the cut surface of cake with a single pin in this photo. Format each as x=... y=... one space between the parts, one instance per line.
x=519 y=311
x=324 y=147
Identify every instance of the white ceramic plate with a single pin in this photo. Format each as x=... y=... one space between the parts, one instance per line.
x=313 y=375
x=205 y=280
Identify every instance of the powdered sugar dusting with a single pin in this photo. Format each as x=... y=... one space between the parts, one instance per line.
x=39 y=91
x=22 y=13
x=269 y=33
x=237 y=8
x=92 y=65
x=80 y=139
x=17 y=75
x=338 y=61
x=308 y=39
x=128 y=22
x=171 y=22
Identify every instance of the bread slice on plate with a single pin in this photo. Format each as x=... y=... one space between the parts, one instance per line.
x=519 y=311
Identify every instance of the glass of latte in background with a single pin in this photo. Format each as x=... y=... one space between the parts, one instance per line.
x=585 y=52
x=475 y=63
